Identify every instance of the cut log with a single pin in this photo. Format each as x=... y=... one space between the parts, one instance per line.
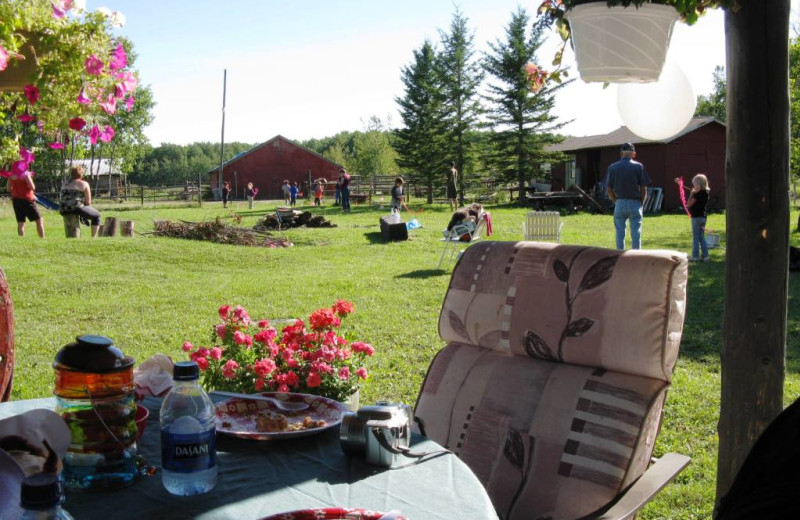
x=72 y=225
x=110 y=227
x=127 y=228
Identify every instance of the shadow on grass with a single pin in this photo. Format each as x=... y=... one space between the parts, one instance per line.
x=375 y=237
x=424 y=273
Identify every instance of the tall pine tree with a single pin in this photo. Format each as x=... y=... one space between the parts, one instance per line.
x=521 y=120
x=462 y=74
x=419 y=142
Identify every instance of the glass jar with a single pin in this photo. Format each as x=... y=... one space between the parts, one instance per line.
x=94 y=395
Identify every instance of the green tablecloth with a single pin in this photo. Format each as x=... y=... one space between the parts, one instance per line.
x=257 y=479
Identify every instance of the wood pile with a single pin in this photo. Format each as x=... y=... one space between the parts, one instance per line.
x=290 y=219
x=218 y=232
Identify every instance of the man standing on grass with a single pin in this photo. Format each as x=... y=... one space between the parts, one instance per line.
x=626 y=184
x=344 y=178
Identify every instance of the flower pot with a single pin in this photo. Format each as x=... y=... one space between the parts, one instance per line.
x=621 y=44
x=352 y=402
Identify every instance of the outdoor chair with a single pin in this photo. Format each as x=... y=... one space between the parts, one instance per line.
x=542 y=225
x=453 y=239
x=555 y=372
x=6 y=340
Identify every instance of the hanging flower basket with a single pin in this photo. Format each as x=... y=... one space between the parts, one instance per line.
x=621 y=44
x=19 y=71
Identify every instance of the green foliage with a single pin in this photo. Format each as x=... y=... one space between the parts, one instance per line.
x=373 y=154
x=714 y=104
x=521 y=120
x=794 y=100
x=462 y=75
x=170 y=164
x=420 y=143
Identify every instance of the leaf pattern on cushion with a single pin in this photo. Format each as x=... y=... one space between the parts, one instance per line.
x=490 y=339
x=561 y=270
x=578 y=327
x=599 y=273
x=457 y=325
x=536 y=347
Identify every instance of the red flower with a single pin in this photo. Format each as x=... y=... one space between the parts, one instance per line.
x=343 y=308
x=344 y=373
x=263 y=367
x=229 y=369
x=202 y=363
x=77 y=124
x=216 y=353
x=263 y=324
x=322 y=319
x=362 y=373
x=32 y=93
x=313 y=380
x=26 y=118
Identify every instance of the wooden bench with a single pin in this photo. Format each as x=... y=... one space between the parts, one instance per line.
x=542 y=225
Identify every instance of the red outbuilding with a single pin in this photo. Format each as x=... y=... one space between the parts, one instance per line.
x=699 y=148
x=268 y=164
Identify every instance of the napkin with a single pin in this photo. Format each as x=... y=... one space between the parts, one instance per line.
x=153 y=377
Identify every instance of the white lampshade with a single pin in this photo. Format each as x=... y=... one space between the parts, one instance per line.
x=660 y=109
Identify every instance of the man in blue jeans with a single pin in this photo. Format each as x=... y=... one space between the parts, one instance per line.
x=626 y=183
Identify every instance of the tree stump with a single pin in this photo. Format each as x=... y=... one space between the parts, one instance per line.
x=127 y=228
x=110 y=227
x=72 y=225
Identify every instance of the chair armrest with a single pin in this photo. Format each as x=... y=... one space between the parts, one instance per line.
x=643 y=490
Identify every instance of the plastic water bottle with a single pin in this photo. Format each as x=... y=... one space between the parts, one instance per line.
x=41 y=498
x=188 y=435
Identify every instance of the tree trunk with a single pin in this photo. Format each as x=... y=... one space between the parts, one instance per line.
x=127 y=228
x=430 y=192
x=110 y=227
x=757 y=215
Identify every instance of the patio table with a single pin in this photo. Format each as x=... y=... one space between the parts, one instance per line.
x=261 y=478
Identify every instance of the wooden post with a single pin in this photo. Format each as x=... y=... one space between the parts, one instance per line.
x=127 y=228
x=757 y=217
x=110 y=227
x=141 y=193
x=72 y=225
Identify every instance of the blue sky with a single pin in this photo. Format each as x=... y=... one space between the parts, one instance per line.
x=311 y=68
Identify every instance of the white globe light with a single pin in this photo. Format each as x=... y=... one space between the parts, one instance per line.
x=660 y=109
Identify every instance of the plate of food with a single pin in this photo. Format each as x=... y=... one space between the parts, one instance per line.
x=263 y=421
x=336 y=513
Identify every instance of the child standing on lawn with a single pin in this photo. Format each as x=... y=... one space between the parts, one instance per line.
x=398 y=200
x=286 y=188
x=318 y=192
x=698 y=199
x=293 y=194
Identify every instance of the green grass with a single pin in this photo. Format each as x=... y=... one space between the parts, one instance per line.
x=151 y=294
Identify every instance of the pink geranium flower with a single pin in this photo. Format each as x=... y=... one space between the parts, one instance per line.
x=221 y=330
x=342 y=308
x=313 y=380
x=216 y=353
x=3 y=58
x=223 y=311
x=187 y=346
x=344 y=373
x=77 y=124
x=229 y=369
x=362 y=373
x=32 y=93
x=94 y=65
x=202 y=363
x=119 y=60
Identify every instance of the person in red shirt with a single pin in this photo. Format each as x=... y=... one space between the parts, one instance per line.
x=23 y=199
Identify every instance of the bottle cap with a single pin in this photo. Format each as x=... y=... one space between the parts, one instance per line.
x=95 y=354
x=185 y=371
x=41 y=491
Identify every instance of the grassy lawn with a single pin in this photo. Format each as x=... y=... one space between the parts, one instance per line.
x=151 y=294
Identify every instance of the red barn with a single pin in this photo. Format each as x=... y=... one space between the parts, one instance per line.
x=699 y=148
x=268 y=164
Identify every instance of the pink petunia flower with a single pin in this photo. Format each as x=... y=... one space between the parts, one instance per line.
x=129 y=103
x=59 y=11
x=109 y=106
x=32 y=93
x=94 y=65
x=119 y=60
x=83 y=99
x=19 y=168
x=56 y=145
x=94 y=134
x=3 y=58
x=77 y=124
x=229 y=369
x=107 y=134
x=5 y=174
x=26 y=155
x=187 y=346
x=127 y=81
x=26 y=118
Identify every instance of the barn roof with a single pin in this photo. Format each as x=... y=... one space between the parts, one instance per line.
x=623 y=135
x=257 y=147
x=97 y=166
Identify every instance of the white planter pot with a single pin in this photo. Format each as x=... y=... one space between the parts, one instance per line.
x=621 y=44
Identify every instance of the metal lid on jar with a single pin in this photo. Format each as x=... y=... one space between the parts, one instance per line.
x=91 y=353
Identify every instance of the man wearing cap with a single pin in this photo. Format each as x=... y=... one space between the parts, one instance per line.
x=626 y=184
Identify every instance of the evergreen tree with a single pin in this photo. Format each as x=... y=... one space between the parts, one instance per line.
x=419 y=143
x=714 y=103
x=462 y=74
x=521 y=119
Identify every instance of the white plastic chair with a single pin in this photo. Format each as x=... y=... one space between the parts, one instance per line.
x=542 y=225
x=453 y=239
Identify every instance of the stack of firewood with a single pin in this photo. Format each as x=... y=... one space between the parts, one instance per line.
x=290 y=219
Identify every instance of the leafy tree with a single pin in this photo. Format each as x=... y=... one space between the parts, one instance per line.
x=714 y=104
x=419 y=143
x=462 y=74
x=374 y=154
x=521 y=119
x=794 y=86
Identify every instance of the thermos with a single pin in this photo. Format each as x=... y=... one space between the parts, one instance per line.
x=94 y=394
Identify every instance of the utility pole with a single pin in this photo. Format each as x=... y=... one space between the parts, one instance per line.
x=222 y=141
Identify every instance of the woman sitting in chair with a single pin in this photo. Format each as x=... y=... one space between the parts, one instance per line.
x=76 y=198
